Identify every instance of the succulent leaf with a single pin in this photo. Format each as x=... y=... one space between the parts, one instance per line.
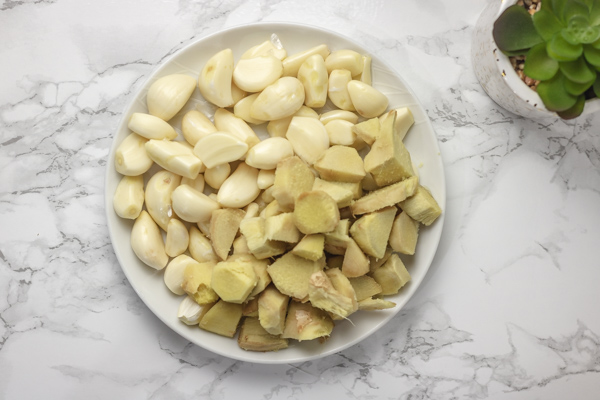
x=592 y=55
x=558 y=7
x=576 y=88
x=554 y=95
x=576 y=9
x=596 y=87
x=578 y=71
x=514 y=30
x=546 y=23
x=575 y=110
x=580 y=31
x=561 y=50
x=595 y=13
x=538 y=64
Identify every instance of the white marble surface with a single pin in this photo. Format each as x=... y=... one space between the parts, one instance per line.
x=509 y=309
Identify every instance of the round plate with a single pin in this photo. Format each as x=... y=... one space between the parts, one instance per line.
x=420 y=141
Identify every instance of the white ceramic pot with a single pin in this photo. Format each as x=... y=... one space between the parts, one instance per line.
x=496 y=74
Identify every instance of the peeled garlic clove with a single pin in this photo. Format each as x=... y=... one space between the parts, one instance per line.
x=175 y=271
x=308 y=138
x=215 y=78
x=200 y=247
x=177 y=239
x=315 y=78
x=338 y=89
x=219 y=148
x=292 y=64
x=242 y=109
x=169 y=94
x=345 y=59
x=240 y=189
x=279 y=100
x=266 y=178
x=236 y=93
x=147 y=242
x=158 y=196
x=368 y=101
x=216 y=176
x=255 y=74
x=225 y=121
x=131 y=158
x=176 y=157
x=338 y=114
x=190 y=312
x=197 y=183
x=192 y=205
x=129 y=197
x=366 y=75
x=271 y=47
x=151 y=127
x=269 y=152
x=340 y=133
x=251 y=210
x=195 y=126
x=279 y=127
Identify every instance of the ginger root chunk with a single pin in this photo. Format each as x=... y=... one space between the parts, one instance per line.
x=316 y=212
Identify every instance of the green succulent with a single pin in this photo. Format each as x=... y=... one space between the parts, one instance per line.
x=561 y=45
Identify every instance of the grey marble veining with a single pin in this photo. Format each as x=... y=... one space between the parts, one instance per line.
x=508 y=309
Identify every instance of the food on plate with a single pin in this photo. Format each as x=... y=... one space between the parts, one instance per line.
x=167 y=95
x=129 y=197
x=279 y=238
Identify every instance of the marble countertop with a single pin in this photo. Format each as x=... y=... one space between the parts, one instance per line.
x=508 y=310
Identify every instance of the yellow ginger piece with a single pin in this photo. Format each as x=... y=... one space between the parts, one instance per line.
x=272 y=308
x=341 y=163
x=392 y=275
x=253 y=337
x=234 y=280
x=365 y=287
x=385 y=197
x=281 y=227
x=422 y=206
x=342 y=284
x=223 y=318
x=388 y=160
x=305 y=322
x=250 y=308
x=323 y=295
x=224 y=225
x=253 y=230
x=292 y=178
x=196 y=282
x=310 y=247
x=355 y=261
x=372 y=304
x=372 y=231
x=404 y=235
x=341 y=195
x=368 y=130
x=263 y=279
x=240 y=246
x=290 y=274
x=404 y=120
x=316 y=212
x=378 y=262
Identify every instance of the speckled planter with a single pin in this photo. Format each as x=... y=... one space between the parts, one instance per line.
x=496 y=74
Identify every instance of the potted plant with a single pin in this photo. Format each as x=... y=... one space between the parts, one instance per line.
x=559 y=41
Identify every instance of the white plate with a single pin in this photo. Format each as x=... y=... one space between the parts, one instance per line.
x=421 y=142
